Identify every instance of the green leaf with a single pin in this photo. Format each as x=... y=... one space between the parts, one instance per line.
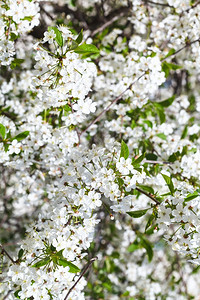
x=191 y=196
x=124 y=150
x=42 y=262
x=146 y=189
x=16 y=294
x=148 y=246
x=167 y=67
x=162 y=136
x=59 y=37
x=160 y=112
x=171 y=52
x=20 y=253
x=72 y=268
x=169 y=183
x=184 y=133
x=138 y=160
x=16 y=63
x=28 y=18
x=2 y=130
x=137 y=213
x=133 y=247
x=151 y=156
x=149 y=222
x=86 y=49
x=80 y=37
x=74 y=45
x=13 y=36
x=21 y=136
x=167 y=102
x=149 y=123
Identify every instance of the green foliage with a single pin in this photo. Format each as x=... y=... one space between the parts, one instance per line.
x=59 y=37
x=80 y=37
x=169 y=183
x=2 y=131
x=167 y=67
x=170 y=53
x=136 y=162
x=124 y=150
x=191 y=196
x=16 y=63
x=87 y=49
x=142 y=242
x=72 y=268
x=137 y=213
x=167 y=102
x=50 y=255
x=21 y=136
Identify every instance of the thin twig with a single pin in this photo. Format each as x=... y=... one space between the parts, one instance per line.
x=184 y=47
x=8 y=255
x=112 y=102
x=157 y=162
x=148 y=195
x=157 y=3
x=130 y=86
x=81 y=275
x=108 y=23
x=193 y=6
x=76 y=129
x=6 y=296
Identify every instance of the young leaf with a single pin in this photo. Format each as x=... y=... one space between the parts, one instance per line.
x=86 y=49
x=2 y=130
x=41 y=262
x=137 y=213
x=138 y=160
x=59 y=37
x=148 y=246
x=79 y=37
x=16 y=63
x=124 y=150
x=162 y=136
x=191 y=196
x=21 y=136
x=72 y=268
x=20 y=253
x=184 y=133
x=147 y=188
x=169 y=182
x=171 y=52
x=149 y=222
x=134 y=246
x=167 y=102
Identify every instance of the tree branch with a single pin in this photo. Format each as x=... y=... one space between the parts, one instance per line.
x=7 y=254
x=112 y=102
x=81 y=275
x=148 y=195
x=157 y=3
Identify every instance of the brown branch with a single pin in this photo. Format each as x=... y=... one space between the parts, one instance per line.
x=157 y=3
x=184 y=47
x=108 y=23
x=7 y=254
x=81 y=275
x=112 y=102
x=130 y=86
x=6 y=296
x=193 y=6
x=157 y=162
x=76 y=129
x=148 y=195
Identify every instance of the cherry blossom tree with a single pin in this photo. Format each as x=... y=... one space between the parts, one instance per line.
x=99 y=149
